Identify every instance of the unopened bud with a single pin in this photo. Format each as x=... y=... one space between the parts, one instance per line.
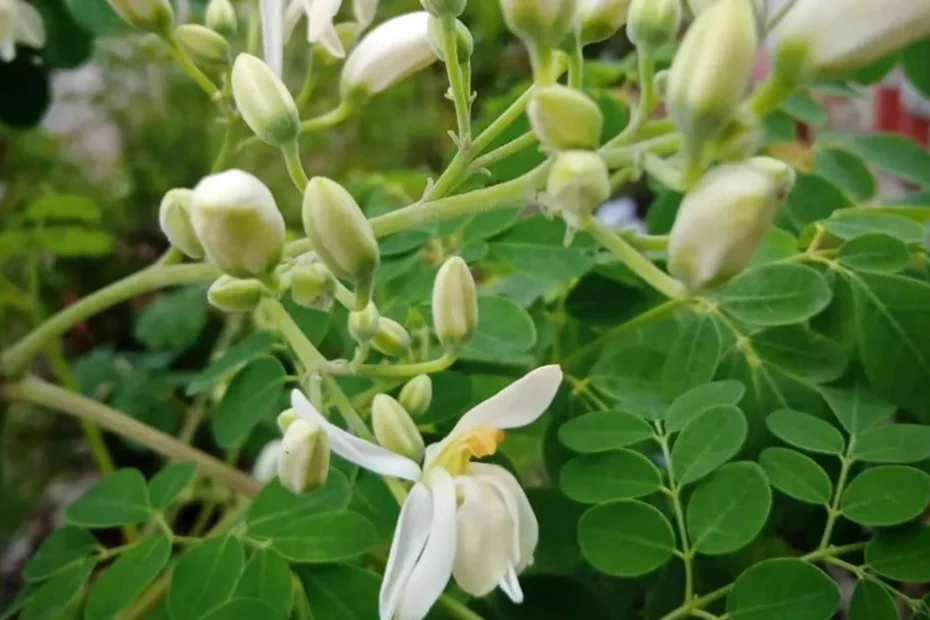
x=541 y=23
x=304 y=461
x=286 y=418
x=151 y=15
x=417 y=394
x=759 y=6
x=565 y=118
x=234 y=295
x=392 y=339
x=221 y=17
x=363 y=324
x=440 y=8
x=393 y=50
x=455 y=304
x=653 y=23
x=312 y=285
x=601 y=19
x=712 y=70
x=724 y=218
x=339 y=232
x=264 y=101
x=578 y=183
x=465 y=43
x=175 y=220
x=205 y=47
x=395 y=429
x=238 y=223
x=266 y=464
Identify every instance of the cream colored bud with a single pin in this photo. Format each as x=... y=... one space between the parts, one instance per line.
x=264 y=101
x=206 y=47
x=712 y=70
x=304 y=461
x=234 y=295
x=724 y=218
x=175 y=220
x=440 y=8
x=238 y=223
x=392 y=51
x=578 y=183
x=395 y=429
x=417 y=394
x=601 y=19
x=286 y=418
x=221 y=17
x=543 y=23
x=339 y=232
x=565 y=118
x=364 y=324
x=455 y=304
x=465 y=43
x=152 y=15
x=653 y=23
x=265 y=468
x=312 y=285
x=392 y=339
x=759 y=6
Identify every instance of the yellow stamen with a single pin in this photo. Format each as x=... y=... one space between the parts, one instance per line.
x=483 y=442
x=477 y=444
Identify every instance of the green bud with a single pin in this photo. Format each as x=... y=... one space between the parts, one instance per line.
x=578 y=183
x=221 y=17
x=417 y=394
x=565 y=118
x=653 y=23
x=312 y=285
x=235 y=295
x=304 y=461
x=339 y=232
x=543 y=23
x=285 y=418
x=264 y=101
x=364 y=324
x=175 y=220
x=206 y=47
x=151 y=15
x=463 y=39
x=723 y=219
x=601 y=19
x=455 y=304
x=392 y=339
x=395 y=429
x=448 y=8
x=237 y=220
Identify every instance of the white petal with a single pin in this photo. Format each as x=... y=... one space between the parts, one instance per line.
x=364 y=11
x=432 y=572
x=395 y=49
x=527 y=525
x=320 y=27
x=409 y=539
x=511 y=586
x=266 y=465
x=30 y=30
x=7 y=50
x=485 y=537
x=295 y=10
x=272 y=14
x=348 y=446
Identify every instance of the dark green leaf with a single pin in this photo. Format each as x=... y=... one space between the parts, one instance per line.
x=535 y=247
x=558 y=551
x=621 y=474
x=697 y=400
x=313 y=323
x=856 y=406
x=451 y=397
x=886 y=495
x=707 y=442
x=205 y=577
x=870 y=601
x=121 y=584
x=851 y=223
x=240 y=608
x=692 y=360
x=325 y=537
x=341 y=592
x=728 y=510
x=775 y=295
x=801 y=352
x=626 y=538
x=602 y=431
x=249 y=348
x=805 y=431
x=812 y=198
x=252 y=396
x=914 y=60
x=276 y=507
x=875 y=252
x=173 y=322
x=97 y=17
x=797 y=475
x=117 y=499
x=783 y=588
x=486 y=225
x=67 y=44
x=846 y=171
x=403 y=242
x=504 y=329
x=902 y=554
x=55 y=598
x=167 y=484
x=805 y=109
x=63 y=207
x=900 y=156
x=267 y=578
x=58 y=551
x=893 y=443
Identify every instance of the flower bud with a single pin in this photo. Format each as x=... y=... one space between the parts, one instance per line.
x=760 y=7
x=601 y=19
x=820 y=37
x=206 y=47
x=266 y=464
x=417 y=394
x=304 y=461
x=578 y=183
x=151 y=15
x=312 y=285
x=395 y=429
x=540 y=22
x=238 y=223
x=264 y=101
x=653 y=23
x=363 y=324
x=235 y=295
x=175 y=220
x=463 y=40
x=440 y=8
x=712 y=70
x=339 y=232
x=221 y=17
x=392 y=339
x=455 y=304
x=565 y=118
x=393 y=50
x=724 y=218
x=285 y=418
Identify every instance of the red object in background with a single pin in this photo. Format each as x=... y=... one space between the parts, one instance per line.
x=914 y=121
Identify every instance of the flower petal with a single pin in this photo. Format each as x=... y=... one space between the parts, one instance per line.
x=511 y=586
x=295 y=10
x=364 y=11
x=409 y=539
x=485 y=539
x=431 y=574
x=527 y=525
x=364 y=453
x=30 y=29
x=320 y=27
x=266 y=465
x=272 y=14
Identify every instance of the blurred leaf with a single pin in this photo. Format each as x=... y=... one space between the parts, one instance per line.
x=403 y=242
x=779 y=127
x=55 y=597
x=246 y=350
x=887 y=495
x=812 y=198
x=27 y=106
x=707 y=442
x=875 y=252
x=267 y=578
x=252 y=396
x=170 y=482
x=121 y=584
x=62 y=548
x=902 y=554
x=341 y=592
x=805 y=109
x=850 y=223
x=484 y=226
x=558 y=550
x=797 y=475
x=119 y=498
x=313 y=323
x=67 y=42
x=856 y=406
x=893 y=443
x=804 y=431
x=846 y=171
x=451 y=396
x=372 y=499
x=174 y=320
x=915 y=60
x=53 y=207
x=775 y=295
x=535 y=247
x=699 y=399
x=205 y=577
x=97 y=17
x=619 y=474
x=603 y=431
x=897 y=155
x=783 y=588
x=870 y=601
x=276 y=507
x=240 y=608
x=626 y=538
x=728 y=510
x=504 y=329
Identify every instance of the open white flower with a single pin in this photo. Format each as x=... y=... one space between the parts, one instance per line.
x=320 y=28
x=20 y=22
x=470 y=521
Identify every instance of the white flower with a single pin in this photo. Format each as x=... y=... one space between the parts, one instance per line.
x=20 y=22
x=272 y=15
x=470 y=521
x=266 y=465
x=320 y=29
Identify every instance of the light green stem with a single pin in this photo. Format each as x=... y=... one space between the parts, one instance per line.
x=627 y=155
x=674 y=498
x=402 y=371
x=769 y=95
x=646 y=104
x=514 y=146
x=329 y=119
x=665 y=173
x=295 y=167
x=232 y=124
x=457 y=80
x=575 y=61
x=833 y=510
x=181 y=57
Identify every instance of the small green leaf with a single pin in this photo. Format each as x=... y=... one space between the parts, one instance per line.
x=801 y=352
x=775 y=295
x=205 y=577
x=267 y=578
x=57 y=207
x=313 y=323
x=806 y=109
x=847 y=171
x=621 y=474
x=602 y=431
x=797 y=475
x=403 y=242
x=451 y=396
x=900 y=156
x=504 y=329
x=707 y=442
x=856 y=406
x=167 y=484
x=535 y=247
x=875 y=252
x=58 y=551
x=902 y=554
x=252 y=396
x=625 y=538
x=692 y=360
x=887 y=495
x=697 y=400
x=813 y=198
x=893 y=443
x=119 y=498
x=121 y=584
x=326 y=537
x=55 y=597
x=276 y=507
x=240 y=608
x=341 y=592
x=783 y=588
x=852 y=223
x=805 y=431
x=870 y=601
x=916 y=67
x=249 y=348
x=728 y=510
x=174 y=321
x=487 y=225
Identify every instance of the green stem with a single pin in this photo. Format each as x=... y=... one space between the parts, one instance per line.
x=181 y=57
x=674 y=498
x=833 y=510
x=323 y=121
x=626 y=155
x=306 y=88
x=232 y=124
x=402 y=371
x=460 y=97
x=295 y=167
x=457 y=609
x=664 y=172
x=645 y=105
x=514 y=146
x=769 y=95
x=575 y=61
x=543 y=66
